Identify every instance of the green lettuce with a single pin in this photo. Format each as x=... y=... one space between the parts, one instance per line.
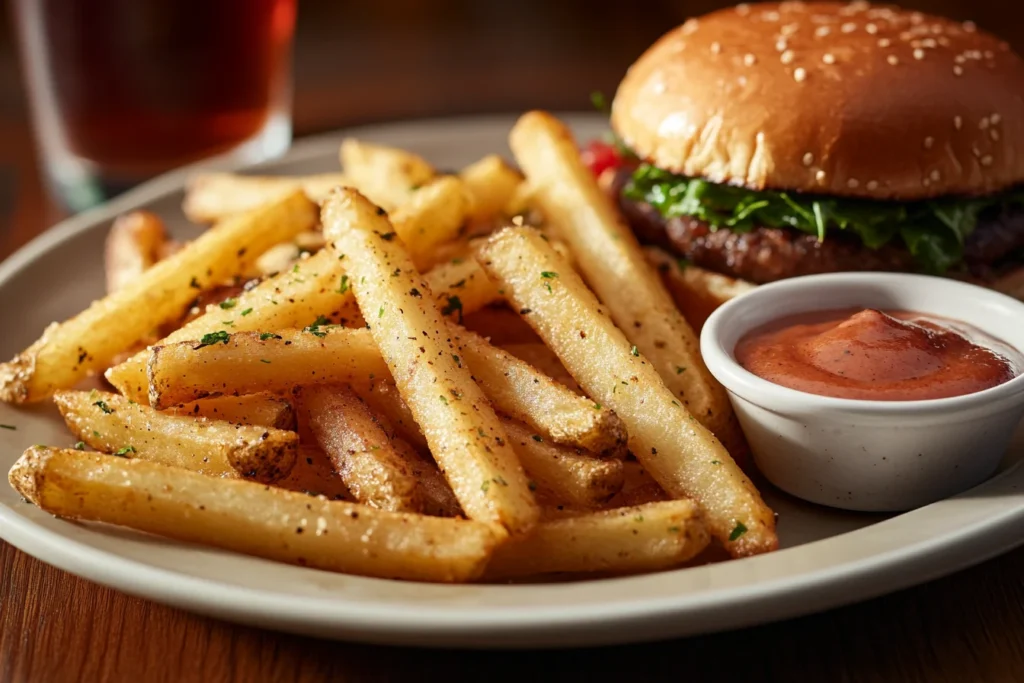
x=933 y=231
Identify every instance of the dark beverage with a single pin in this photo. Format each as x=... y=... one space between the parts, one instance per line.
x=124 y=89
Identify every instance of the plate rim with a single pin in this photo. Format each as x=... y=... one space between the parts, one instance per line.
x=416 y=623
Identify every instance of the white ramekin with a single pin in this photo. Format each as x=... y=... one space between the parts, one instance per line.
x=869 y=455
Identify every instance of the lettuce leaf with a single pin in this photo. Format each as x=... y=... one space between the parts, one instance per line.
x=933 y=231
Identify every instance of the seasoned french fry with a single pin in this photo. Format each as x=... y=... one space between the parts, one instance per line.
x=134 y=243
x=544 y=359
x=432 y=215
x=568 y=476
x=637 y=539
x=282 y=257
x=112 y=424
x=361 y=451
x=69 y=351
x=613 y=264
x=492 y=184
x=696 y=291
x=252 y=518
x=464 y=434
x=501 y=326
x=522 y=392
x=683 y=456
x=262 y=410
x=384 y=399
x=315 y=287
x=254 y=362
x=213 y=196
x=460 y=287
x=314 y=475
x=638 y=487
x=386 y=175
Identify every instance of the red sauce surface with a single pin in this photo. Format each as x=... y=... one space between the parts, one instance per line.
x=876 y=356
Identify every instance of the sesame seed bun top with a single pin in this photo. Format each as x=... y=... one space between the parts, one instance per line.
x=853 y=100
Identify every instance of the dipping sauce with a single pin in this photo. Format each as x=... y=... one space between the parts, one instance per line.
x=876 y=356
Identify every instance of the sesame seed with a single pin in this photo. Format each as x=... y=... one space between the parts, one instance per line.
x=918 y=53
x=871 y=28
x=935 y=175
x=970 y=26
x=716 y=47
x=799 y=74
x=958 y=122
x=848 y=27
x=884 y=42
x=995 y=119
x=780 y=44
x=853 y=183
x=820 y=176
x=749 y=59
x=986 y=160
x=786 y=57
x=994 y=134
x=808 y=159
x=828 y=58
x=822 y=31
x=893 y=59
x=872 y=185
x=958 y=70
x=929 y=142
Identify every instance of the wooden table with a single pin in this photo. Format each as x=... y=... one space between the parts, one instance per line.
x=55 y=627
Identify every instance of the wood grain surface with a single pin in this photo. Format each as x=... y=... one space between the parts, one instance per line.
x=358 y=62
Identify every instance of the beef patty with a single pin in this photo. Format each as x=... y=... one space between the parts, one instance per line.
x=768 y=254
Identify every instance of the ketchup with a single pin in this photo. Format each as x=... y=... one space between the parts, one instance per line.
x=875 y=356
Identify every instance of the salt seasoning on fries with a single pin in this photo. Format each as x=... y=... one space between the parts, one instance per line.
x=69 y=351
x=252 y=518
x=464 y=434
x=682 y=455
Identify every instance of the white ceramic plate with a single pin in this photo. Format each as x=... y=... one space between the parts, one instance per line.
x=829 y=558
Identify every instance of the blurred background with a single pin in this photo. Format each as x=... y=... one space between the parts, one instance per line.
x=358 y=62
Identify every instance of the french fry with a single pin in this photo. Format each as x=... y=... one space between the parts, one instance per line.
x=613 y=263
x=682 y=455
x=314 y=475
x=262 y=410
x=501 y=326
x=315 y=287
x=627 y=540
x=544 y=359
x=384 y=399
x=254 y=362
x=432 y=215
x=251 y=518
x=638 y=487
x=211 y=197
x=112 y=424
x=571 y=477
x=464 y=434
x=133 y=245
x=69 y=351
x=492 y=183
x=460 y=287
x=387 y=175
x=361 y=451
x=522 y=392
x=282 y=257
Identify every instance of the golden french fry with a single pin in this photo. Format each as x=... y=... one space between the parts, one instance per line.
x=611 y=260
x=519 y=390
x=283 y=256
x=251 y=518
x=432 y=215
x=213 y=196
x=544 y=359
x=464 y=434
x=361 y=451
x=386 y=175
x=314 y=475
x=69 y=351
x=697 y=292
x=384 y=399
x=566 y=475
x=637 y=539
x=263 y=410
x=315 y=287
x=460 y=287
x=254 y=362
x=638 y=487
x=682 y=455
x=134 y=244
x=492 y=184
x=112 y=424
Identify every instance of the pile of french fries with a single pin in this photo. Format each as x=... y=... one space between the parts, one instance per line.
x=426 y=377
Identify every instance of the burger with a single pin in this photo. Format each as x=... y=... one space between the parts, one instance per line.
x=770 y=141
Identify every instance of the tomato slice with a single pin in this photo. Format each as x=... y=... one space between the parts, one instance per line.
x=599 y=156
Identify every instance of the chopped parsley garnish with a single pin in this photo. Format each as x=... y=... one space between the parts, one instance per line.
x=264 y=360
x=635 y=351
x=264 y=336
x=228 y=303
x=10 y=427
x=680 y=369
x=314 y=329
x=380 y=312
x=737 y=531
x=246 y=312
x=343 y=287
x=486 y=485
x=458 y=361
x=638 y=518
x=102 y=405
x=454 y=304
x=212 y=338
x=599 y=101
x=79 y=446
x=125 y=451
x=597 y=406
x=548 y=275
x=673 y=530
x=443 y=400
x=537 y=437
